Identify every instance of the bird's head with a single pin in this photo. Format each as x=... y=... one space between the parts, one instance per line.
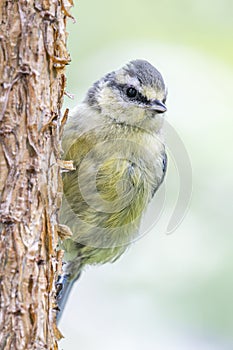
x=134 y=94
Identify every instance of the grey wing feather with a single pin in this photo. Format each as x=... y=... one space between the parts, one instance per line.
x=164 y=169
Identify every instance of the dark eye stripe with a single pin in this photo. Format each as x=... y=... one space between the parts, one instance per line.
x=142 y=99
x=123 y=90
x=139 y=97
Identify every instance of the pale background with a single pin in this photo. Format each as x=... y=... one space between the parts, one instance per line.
x=173 y=291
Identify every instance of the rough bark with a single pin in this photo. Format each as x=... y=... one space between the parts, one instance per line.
x=33 y=56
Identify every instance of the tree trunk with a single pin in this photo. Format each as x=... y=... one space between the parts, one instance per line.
x=33 y=56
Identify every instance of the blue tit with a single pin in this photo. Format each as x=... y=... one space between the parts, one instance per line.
x=115 y=140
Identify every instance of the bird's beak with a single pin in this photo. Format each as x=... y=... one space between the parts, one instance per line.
x=158 y=106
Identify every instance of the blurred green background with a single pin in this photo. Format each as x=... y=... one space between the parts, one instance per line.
x=173 y=291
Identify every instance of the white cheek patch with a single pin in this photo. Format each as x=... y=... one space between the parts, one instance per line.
x=107 y=97
x=118 y=109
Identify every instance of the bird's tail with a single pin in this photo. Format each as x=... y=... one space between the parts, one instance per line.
x=64 y=286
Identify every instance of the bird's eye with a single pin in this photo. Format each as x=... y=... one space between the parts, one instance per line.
x=131 y=92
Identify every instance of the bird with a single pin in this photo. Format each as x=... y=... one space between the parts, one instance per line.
x=115 y=140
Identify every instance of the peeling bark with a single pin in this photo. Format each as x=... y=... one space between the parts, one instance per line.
x=33 y=56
